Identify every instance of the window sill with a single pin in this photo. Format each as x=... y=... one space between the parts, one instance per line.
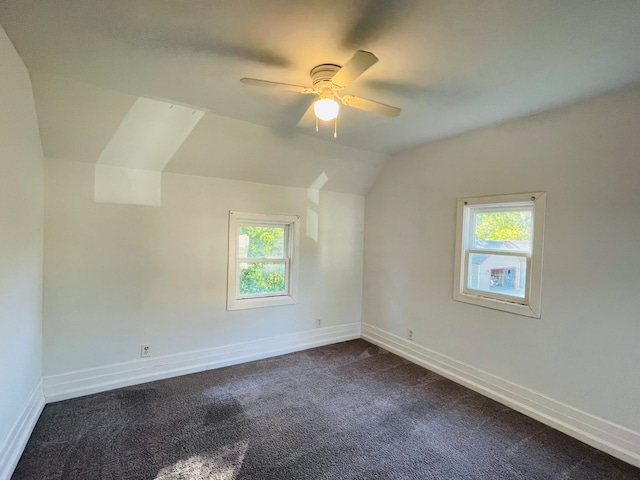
x=495 y=304
x=259 y=302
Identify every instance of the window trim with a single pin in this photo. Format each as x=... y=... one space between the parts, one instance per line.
x=530 y=305
x=235 y=301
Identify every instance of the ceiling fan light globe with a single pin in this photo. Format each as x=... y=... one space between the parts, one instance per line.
x=326 y=109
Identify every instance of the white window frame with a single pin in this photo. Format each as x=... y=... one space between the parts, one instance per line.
x=291 y=224
x=530 y=305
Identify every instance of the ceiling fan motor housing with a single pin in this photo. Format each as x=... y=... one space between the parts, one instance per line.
x=321 y=76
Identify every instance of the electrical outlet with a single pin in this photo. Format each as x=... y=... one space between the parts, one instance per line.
x=319 y=323
x=410 y=334
x=145 y=351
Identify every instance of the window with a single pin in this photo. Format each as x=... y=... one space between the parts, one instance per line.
x=263 y=260
x=499 y=252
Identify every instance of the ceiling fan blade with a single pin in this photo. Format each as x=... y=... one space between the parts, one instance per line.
x=355 y=67
x=282 y=86
x=370 y=106
x=309 y=118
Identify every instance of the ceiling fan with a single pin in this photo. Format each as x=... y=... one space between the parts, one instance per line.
x=328 y=80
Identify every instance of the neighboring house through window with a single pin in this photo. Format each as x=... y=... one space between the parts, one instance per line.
x=499 y=252
x=263 y=260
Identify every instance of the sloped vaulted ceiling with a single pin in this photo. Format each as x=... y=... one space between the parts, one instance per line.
x=450 y=65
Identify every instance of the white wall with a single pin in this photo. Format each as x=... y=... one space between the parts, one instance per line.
x=21 y=225
x=584 y=351
x=117 y=276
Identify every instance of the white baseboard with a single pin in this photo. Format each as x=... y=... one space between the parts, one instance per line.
x=604 y=435
x=13 y=446
x=94 y=380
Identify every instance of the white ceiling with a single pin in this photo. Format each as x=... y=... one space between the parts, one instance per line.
x=450 y=65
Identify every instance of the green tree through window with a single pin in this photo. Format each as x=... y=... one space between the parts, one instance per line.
x=512 y=225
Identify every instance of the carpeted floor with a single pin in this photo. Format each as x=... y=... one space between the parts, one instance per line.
x=344 y=411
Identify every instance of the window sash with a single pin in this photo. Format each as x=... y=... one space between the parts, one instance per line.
x=286 y=250
x=506 y=253
x=466 y=289
x=471 y=212
x=282 y=293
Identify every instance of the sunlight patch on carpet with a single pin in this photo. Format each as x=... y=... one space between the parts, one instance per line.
x=224 y=464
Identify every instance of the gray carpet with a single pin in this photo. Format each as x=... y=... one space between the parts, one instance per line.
x=344 y=411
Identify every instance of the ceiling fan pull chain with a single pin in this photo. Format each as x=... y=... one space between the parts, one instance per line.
x=316 y=124
x=335 y=127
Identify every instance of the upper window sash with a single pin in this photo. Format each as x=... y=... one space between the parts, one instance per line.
x=240 y=260
x=506 y=253
x=286 y=253
x=471 y=213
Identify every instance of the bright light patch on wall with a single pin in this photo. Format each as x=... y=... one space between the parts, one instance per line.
x=148 y=137
x=150 y=134
x=127 y=186
x=312 y=224
x=313 y=195
x=313 y=192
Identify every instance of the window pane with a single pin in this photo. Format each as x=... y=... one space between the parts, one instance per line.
x=495 y=273
x=261 y=242
x=503 y=231
x=257 y=278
